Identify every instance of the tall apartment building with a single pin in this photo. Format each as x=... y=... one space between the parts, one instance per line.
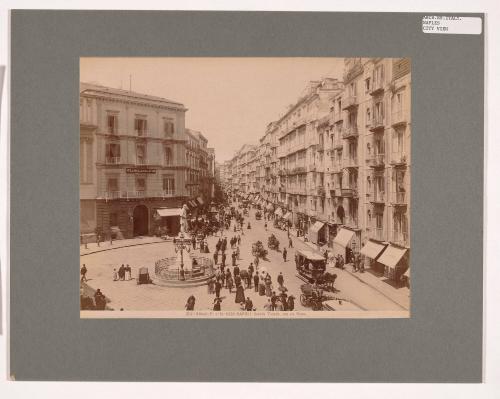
x=133 y=161
x=337 y=163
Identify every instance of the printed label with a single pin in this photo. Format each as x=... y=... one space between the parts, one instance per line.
x=452 y=25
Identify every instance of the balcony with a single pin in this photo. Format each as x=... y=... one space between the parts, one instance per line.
x=378 y=197
x=112 y=194
x=377 y=87
x=349 y=102
x=135 y=194
x=142 y=132
x=311 y=168
x=351 y=222
x=377 y=123
x=399 y=118
x=351 y=162
x=349 y=192
x=350 y=132
x=398 y=159
x=378 y=234
x=338 y=117
x=400 y=238
x=377 y=161
x=141 y=161
x=166 y=193
x=399 y=198
x=113 y=160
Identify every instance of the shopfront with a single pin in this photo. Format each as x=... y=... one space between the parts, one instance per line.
x=396 y=262
x=372 y=250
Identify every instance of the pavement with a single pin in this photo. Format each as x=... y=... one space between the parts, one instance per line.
x=365 y=291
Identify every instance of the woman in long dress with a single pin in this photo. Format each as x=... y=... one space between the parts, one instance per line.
x=267 y=282
x=240 y=294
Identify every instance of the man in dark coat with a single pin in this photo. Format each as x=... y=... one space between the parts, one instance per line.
x=237 y=281
x=233 y=257
x=274 y=298
x=83 y=272
x=284 y=254
x=216 y=257
x=193 y=241
x=223 y=260
x=218 y=287
x=290 y=243
x=256 y=282
x=290 y=302
x=280 y=279
x=236 y=271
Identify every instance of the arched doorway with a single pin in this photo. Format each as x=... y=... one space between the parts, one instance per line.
x=341 y=214
x=141 y=220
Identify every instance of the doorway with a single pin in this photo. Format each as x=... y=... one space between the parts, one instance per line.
x=141 y=220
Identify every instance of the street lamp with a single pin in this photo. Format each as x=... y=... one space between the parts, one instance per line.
x=180 y=245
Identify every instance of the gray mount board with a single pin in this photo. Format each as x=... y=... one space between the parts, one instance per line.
x=441 y=342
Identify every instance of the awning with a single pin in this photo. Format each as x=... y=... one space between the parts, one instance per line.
x=164 y=212
x=278 y=212
x=288 y=216
x=392 y=255
x=372 y=249
x=314 y=231
x=200 y=200
x=343 y=237
x=309 y=254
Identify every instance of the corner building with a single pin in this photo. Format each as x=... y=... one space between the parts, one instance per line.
x=132 y=161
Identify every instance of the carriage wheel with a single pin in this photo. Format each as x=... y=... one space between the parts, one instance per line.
x=303 y=300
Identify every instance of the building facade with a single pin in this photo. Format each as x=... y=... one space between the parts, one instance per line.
x=135 y=157
x=338 y=163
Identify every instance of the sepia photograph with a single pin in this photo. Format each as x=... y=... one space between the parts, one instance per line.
x=245 y=187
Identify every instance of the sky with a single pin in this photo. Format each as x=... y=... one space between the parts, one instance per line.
x=229 y=100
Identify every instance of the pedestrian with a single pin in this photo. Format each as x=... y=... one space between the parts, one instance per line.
x=290 y=243
x=265 y=226
x=237 y=280
x=115 y=275
x=268 y=285
x=228 y=275
x=274 y=299
x=110 y=237
x=223 y=260
x=217 y=302
x=268 y=306
x=100 y=300
x=256 y=282
x=237 y=252
x=83 y=272
x=218 y=287
x=240 y=294
x=284 y=254
x=233 y=257
x=256 y=261
x=248 y=304
x=281 y=279
x=190 y=303
x=229 y=283
x=236 y=271
x=239 y=239
x=129 y=272
x=283 y=299
x=216 y=257
x=193 y=241
x=291 y=303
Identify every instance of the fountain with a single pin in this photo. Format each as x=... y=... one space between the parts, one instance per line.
x=184 y=269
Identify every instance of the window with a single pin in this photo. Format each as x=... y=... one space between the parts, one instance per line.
x=168 y=185
x=141 y=154
x=367 y=85
x=140 y=126
x=168 y=127
x=140 y=184
x=113 y=153
x=112 y=123
x=368 y=114
x=112 y=184
x=168 y=156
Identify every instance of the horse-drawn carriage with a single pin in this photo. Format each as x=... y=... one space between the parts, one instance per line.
x=312 y=296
